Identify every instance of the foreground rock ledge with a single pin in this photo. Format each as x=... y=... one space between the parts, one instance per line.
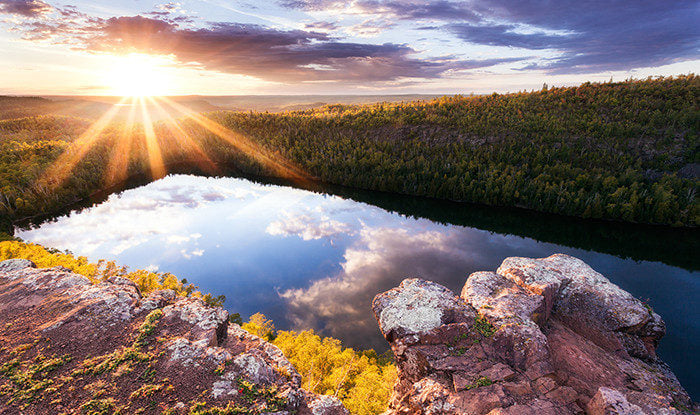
x=539 y=336
x=70 y=346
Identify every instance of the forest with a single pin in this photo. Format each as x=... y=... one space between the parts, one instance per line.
x=625 y=151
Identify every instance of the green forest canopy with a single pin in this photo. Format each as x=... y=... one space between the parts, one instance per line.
x=624 y=151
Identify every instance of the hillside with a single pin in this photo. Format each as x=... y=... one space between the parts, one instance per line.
x=70 y=346
x=361 y=380
x=622 y=151
x=538 y=336
x=619 y=151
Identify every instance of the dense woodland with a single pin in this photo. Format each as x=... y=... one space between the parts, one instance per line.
x=623 y=151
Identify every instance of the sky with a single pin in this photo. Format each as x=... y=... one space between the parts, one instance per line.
x=217 y=47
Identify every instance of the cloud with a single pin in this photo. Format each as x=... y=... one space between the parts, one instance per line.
x=582 y=37
x=380 y=259
x=370 y=27
x=395 y=9
x=271 y=54
x=156 y=212
x=180 y=239
x=248 y=49
x=321 y=26
x=189 y=254
x=26 y=8
x=308 y=227
x=567 y=37
x=592 y=38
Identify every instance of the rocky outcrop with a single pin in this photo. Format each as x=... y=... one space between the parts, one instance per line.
x=538 y=336
x=70 y=346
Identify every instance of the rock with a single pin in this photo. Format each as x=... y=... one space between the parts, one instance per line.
x=195 y=353
x=156 y=299
x=539 y=336
x=591 y=305
x=512 y=311
x=416 y=307
x=498 y=372
x=9 y=265
x=209 y=323
x=326 y=405
x=611 y=402
x=139 y=349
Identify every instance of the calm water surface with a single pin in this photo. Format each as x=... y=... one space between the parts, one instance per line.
x=311 y=260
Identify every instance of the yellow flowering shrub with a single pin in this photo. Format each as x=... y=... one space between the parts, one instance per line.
x=147 y=281
x=363 y=381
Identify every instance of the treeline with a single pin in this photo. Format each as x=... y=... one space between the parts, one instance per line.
x=623 y=151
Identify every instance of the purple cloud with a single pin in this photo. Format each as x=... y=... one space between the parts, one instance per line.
x=259 y=51
x=591 y=36
x=26 y=8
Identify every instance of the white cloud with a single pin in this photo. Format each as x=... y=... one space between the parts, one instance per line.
x=308 y=227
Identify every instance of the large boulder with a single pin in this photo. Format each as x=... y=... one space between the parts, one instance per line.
x=589 y=303
x=538 y=336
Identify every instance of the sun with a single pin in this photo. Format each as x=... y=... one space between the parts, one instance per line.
x=139 y=75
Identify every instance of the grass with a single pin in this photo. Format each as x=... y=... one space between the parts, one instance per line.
x=482 y=381
x=483 y=326
x=28 y=381
x=147 y=328
x=106 y=406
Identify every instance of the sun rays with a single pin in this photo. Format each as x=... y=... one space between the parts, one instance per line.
x=144 y=134
x=278 y=164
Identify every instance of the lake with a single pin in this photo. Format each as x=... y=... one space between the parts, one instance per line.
x=308 y=259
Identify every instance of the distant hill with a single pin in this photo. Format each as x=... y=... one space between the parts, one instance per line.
x=280 y=103
x=89 y=107
x=92 y=107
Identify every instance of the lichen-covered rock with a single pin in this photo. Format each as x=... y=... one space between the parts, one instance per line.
x=15 y=264
x=539 y=336
x=611 y=402
x=592 y=305
x=326 y=405
x=136 y=350
x=208 y=323
x=416 y=307
x=156 y=299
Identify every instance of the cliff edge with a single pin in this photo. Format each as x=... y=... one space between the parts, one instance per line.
x=538 y=336
x=69 y=346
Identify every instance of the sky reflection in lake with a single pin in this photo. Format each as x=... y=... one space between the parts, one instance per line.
x=311 y=260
